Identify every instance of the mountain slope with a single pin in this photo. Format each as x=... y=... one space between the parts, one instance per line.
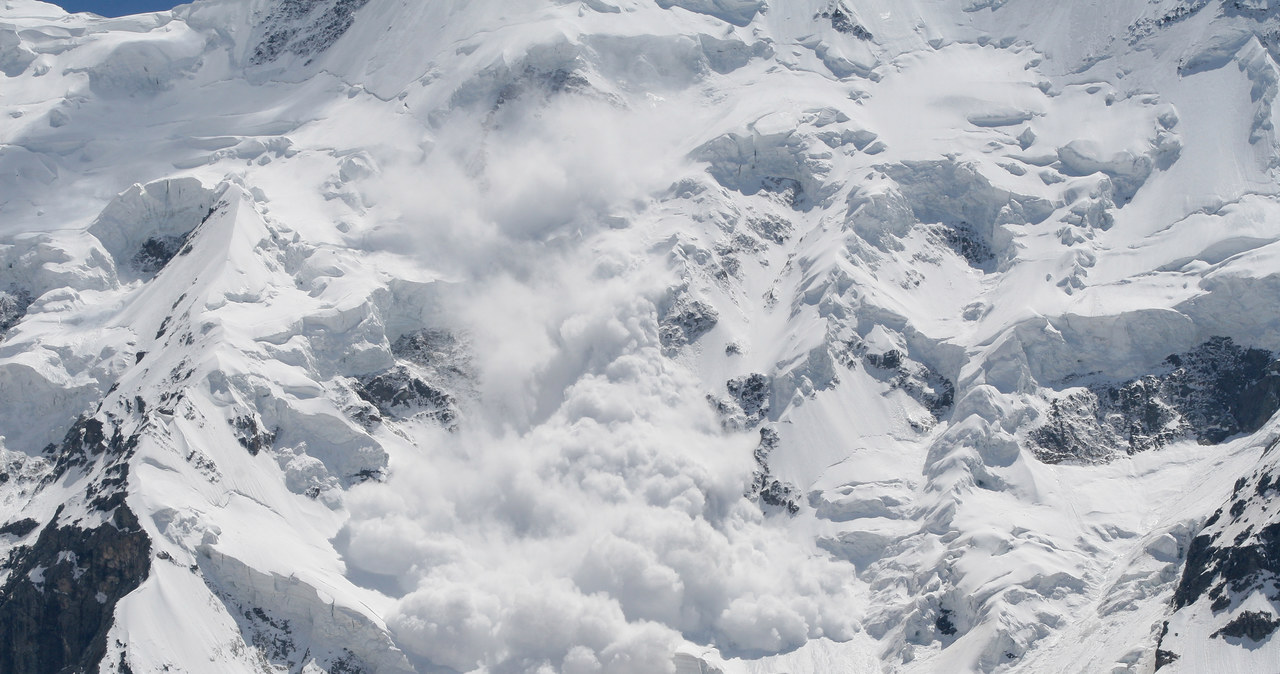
x=631 y=336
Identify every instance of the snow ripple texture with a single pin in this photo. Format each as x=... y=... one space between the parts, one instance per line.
x=634 y=336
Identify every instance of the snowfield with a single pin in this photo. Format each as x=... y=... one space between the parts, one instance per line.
x=640 y=336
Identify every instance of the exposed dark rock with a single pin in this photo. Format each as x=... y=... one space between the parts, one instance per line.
x=889 y=360
x=156 y=253
x=13 y=306
x=304 y=28
x=434 y=371
x=943 y=624
x=1266 y=485
x=274 y=638
x=922 y=383
x=1198 y=574
x=87 y=439
x=1252 y=625
x=1146 y=26
x=1074 y=431
x=1223 y=389
x=788 y=190
x=251 y=435
x=766 y=489
x=684 y=322
x=777 y=494
x=1164 y=657
x=751 y=393
x=364 y=413
x=771 y=227
x=967 y=243
x=108 y=492
x=1211 y=393
x=349 y=663
x=728 y=255
x=367 y=474
x=56 y=607
x=1236 y=557
x=440 y=351
x=842 y=20
x=19 y=528
x=1216 y=567
x=400 y=393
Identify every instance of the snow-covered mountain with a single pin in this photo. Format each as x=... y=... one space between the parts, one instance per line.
x=738 y=336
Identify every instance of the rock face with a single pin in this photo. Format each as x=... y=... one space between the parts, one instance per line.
x=60 y=592
x=917 y=380
x=57 y=605
x=156 y=252
x=13 y=306
x=1231 y=564
x=773 y=494
x=1225 y=570
x=685 y=321
x=748 y=403
x=398 y=393
x=1211 y=393
x=431 y=382
x=1255 y=626
x=303 y=28
x=842 y=20
x=442 y=353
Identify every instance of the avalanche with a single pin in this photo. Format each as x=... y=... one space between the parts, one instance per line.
x=686 y=336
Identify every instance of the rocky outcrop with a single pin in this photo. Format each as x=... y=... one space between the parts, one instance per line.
x=13 y=306
x=842 y=20
x=1232 y=569
x=748 y=402
x=1215 y=391
x=1252 y=625
x=303 y=28
x=399 y=393
x=771 y=493
x=686 y=320
x=57 y=606
x=925 y=385
x=433 y=373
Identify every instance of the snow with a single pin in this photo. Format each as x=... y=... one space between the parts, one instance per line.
x=616 y=209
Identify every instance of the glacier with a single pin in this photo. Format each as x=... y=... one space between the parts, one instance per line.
x=636 y=336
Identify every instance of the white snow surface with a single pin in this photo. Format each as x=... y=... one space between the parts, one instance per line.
x=551 y=187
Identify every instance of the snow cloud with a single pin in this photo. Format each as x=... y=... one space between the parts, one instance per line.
x=589 y=514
